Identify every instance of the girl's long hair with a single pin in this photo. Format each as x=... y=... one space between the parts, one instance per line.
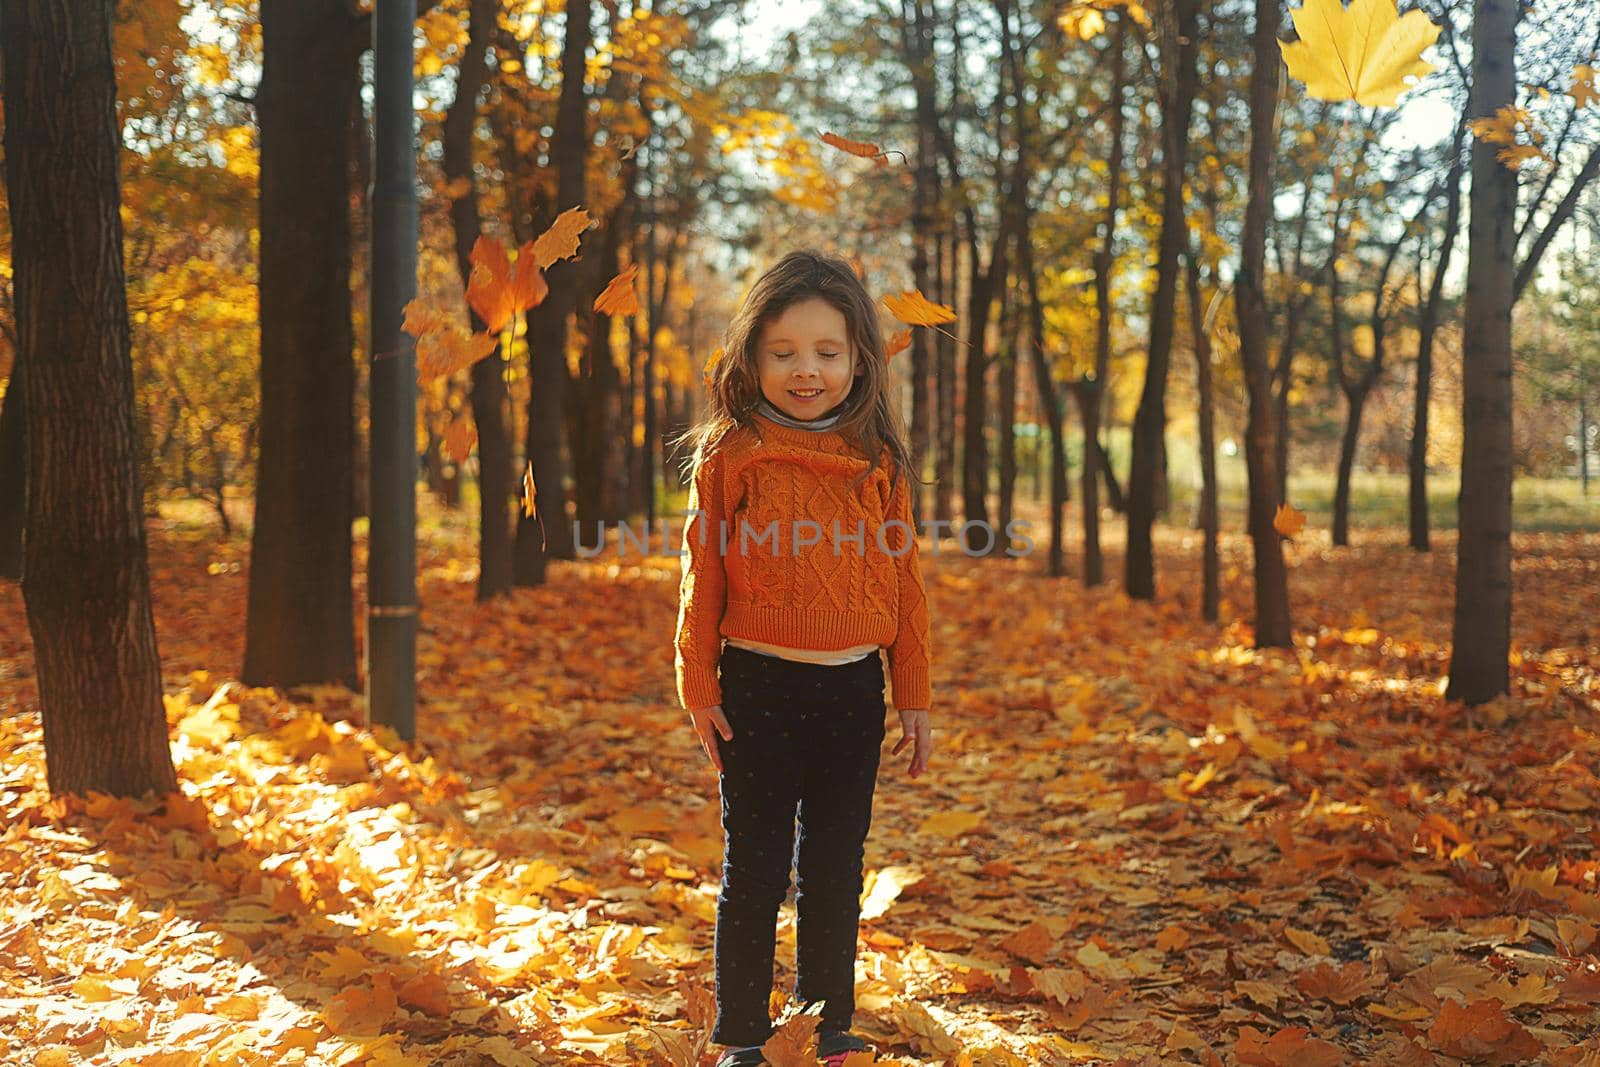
x=868 y=421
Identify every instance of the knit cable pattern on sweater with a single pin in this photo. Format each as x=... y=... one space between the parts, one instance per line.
x=777 y=548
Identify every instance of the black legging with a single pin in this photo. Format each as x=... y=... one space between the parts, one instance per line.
x=806 y=736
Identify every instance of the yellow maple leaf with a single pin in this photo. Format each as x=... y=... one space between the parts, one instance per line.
x=711 y=366
x=914 y=309
x=1363 y=53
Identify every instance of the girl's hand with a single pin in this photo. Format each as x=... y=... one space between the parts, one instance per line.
x=708 y=722
x=914 y=728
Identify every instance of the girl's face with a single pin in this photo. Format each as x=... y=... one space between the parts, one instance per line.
x=805 y=360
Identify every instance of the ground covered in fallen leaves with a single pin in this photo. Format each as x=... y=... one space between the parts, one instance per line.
x=1139 y=841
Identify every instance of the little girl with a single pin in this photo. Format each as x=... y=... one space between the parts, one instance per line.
x=800 y=563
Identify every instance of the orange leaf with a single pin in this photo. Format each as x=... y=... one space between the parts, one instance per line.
x=489 y=286
x=459 y=439
x=362 y=1009
x=1342 y=986
x=1289 y=1047
x=1288 y=521
x=914 y=309
x=619 y=297
x=897 y=343
x=425 y=993
x=560 y=241
x=1483 y=1033
x=855 y=148
x=528 y=287
x=422 y=318
x=529 y=491
x=445 y=351
x=1172 y=938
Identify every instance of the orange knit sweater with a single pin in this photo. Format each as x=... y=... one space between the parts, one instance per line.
x=807 y=563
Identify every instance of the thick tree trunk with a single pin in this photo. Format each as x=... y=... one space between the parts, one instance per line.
x=86 y=585
x=300 y=625
x=13 y=475
x=1150 y=424
x=488 y=395
x=549 y=535
x=1272 y=626
x=1480 y=656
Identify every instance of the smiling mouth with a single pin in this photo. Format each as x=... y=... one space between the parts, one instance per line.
x=805 y=394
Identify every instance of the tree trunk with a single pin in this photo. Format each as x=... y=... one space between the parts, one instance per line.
x=300 y=625
x=1210 y=594
x=1090 y=393
x=85 y=586
x=1149 y=425
x=1272 y=626
x=487 y=395
x=1481 y=640
x=549 y=535
x=1355 y=404
x=917 y=44
x=944 y=386
x=13 y=475
x=598 y=451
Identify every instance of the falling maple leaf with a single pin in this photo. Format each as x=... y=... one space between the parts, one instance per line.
x=445 y=351
x=1082 y=22
x=619 y=297
x=421 y=317
x=864 y=149
x=1583 y=86
x=489 y=290
x=914 y=309
x=529 y=492
x=897 y=343
x=459 y=438
x=1363 y=53
x=528 y=287
x=1503 y=128
x=711 y=366
x=560 y=241
x=1289 y=521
